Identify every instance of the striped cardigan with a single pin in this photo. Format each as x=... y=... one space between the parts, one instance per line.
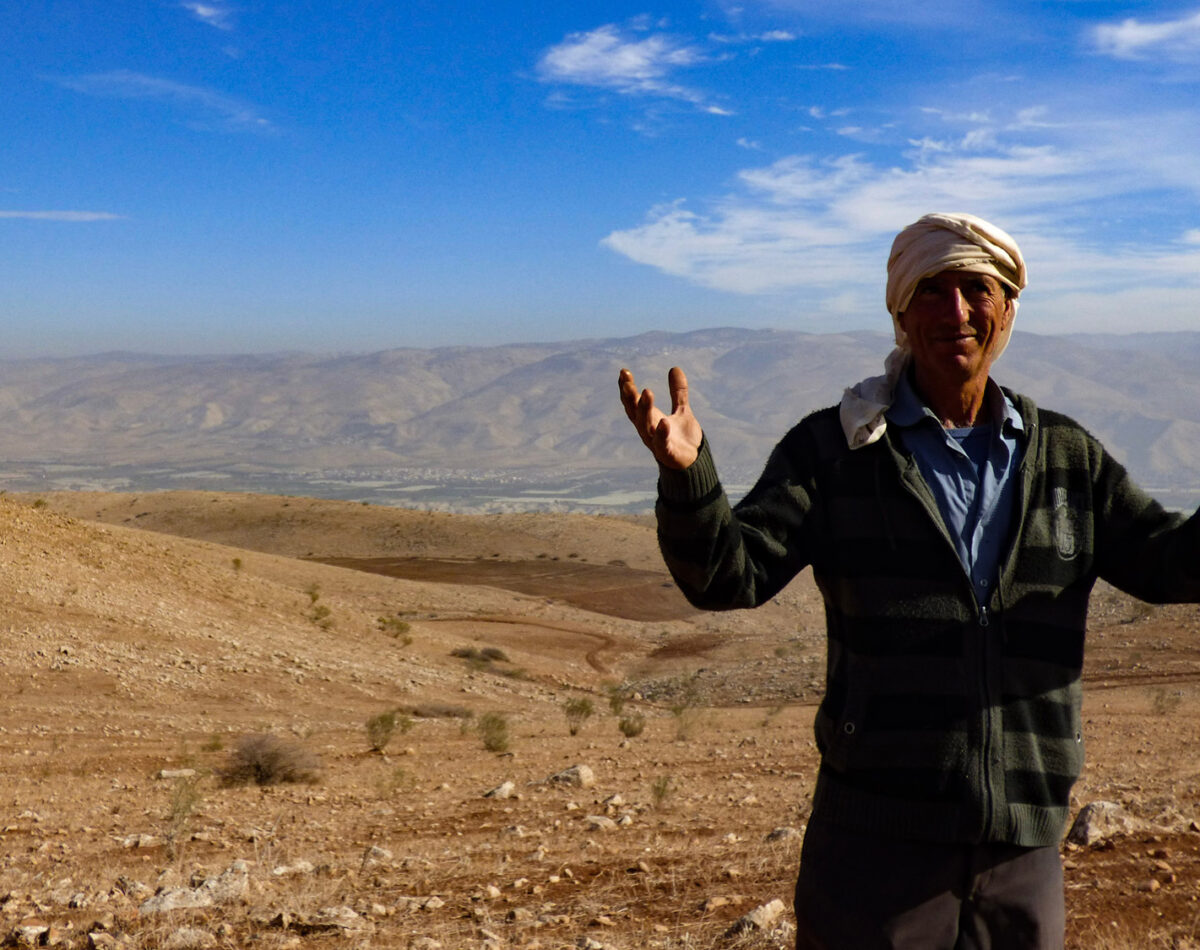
x=944 y=718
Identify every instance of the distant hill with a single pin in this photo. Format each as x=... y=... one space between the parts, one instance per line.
x=545 y=412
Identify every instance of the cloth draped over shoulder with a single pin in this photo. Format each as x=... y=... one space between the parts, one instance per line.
x=932 y=244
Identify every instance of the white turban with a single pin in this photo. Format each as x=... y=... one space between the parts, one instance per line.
x=930 y=245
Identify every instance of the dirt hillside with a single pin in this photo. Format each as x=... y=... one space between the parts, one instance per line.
x=149 y=636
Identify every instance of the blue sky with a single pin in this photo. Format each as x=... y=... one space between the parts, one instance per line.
x=211 y=176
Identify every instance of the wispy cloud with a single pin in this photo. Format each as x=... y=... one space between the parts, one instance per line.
x=899 y=12
x=62 y=215
x=1141 y=39
x=817 y=229
x=208 y=109
x=768 y=36
x=612 y=59
x=214 y=14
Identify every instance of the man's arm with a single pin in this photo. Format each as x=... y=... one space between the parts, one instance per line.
x=1143 y=549
x=720 y=557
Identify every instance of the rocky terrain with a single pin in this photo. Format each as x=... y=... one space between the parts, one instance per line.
x=576 y=758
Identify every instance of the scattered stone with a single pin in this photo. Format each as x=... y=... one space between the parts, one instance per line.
x=189 y=938
x=101 y=941
x=600 y=823
x=337 y=918
x=1099 y=821
x=175 y=773
x=761 y=918
x=140 y=841
x=176 y=898
x=501 y=791
x=578 y=776
x=375 y=856
x=30 y=932
x=231 y=885
x=784 y=833
x=290 y=870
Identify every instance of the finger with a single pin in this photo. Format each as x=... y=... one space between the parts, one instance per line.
x=648 y=416
x=629 y=395
x=677 y=381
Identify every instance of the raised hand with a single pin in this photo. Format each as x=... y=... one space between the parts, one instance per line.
x=674 y=439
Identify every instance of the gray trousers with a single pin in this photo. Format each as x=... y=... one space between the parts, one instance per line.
x=865 y=892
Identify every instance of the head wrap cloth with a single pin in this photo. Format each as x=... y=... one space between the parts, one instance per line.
x=930 y=245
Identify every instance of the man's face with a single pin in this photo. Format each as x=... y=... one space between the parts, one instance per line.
x=954 y=324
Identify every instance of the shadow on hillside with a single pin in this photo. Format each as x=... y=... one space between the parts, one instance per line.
x=609 y=589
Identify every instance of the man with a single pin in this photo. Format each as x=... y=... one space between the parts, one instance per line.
x=955 y=531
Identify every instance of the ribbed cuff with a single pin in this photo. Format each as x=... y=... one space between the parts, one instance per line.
x=696 y=481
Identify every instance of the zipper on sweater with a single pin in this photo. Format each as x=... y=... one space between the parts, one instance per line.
x=985 y=752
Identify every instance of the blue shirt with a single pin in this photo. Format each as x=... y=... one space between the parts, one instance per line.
x=971 y=474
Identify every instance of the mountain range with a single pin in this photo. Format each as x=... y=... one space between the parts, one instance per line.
x=544 y=411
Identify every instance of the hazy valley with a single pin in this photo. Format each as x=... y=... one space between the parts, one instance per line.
x=526 y=427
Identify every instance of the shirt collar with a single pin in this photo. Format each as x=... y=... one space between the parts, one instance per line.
x=908 y=410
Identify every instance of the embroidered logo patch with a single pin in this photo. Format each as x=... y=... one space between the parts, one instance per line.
x=1064 y=525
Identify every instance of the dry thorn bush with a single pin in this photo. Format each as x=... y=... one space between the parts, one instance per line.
x=264 y=759
x=493 y=730
x=578 y=710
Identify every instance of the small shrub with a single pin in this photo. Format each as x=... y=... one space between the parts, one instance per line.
x=383 y=727
x=661 y=789
x=393 y=781
x=314 y=593
x=396 y=628
x=380 y=730
x=618 y=695
x=493 y=730
x=494 y=655
x=264 y=759
x=578 y=711
x=1165 y=701
x=321 y=616
x=40 y=503
x=631 y=725
x=185 y=797
x=213 y=743
x=237 y=565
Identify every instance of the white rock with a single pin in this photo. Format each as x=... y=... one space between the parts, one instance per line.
x=784 y=833
x=579 y=776
x=189 y=938
x=177 y=898
x=501 y=791
x=600 y=823
x=1098 y=821
x=761 y=918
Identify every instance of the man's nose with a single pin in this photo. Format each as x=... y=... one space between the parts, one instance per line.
x=954 y=304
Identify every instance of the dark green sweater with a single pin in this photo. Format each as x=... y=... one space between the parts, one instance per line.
x=943 y=719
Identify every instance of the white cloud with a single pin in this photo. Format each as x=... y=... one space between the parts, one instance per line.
x=769 y=36
x=603 y=58
x=61 y=215
x=818 y=229
x=1138 y=39
x=214 y=14
x=213 y=110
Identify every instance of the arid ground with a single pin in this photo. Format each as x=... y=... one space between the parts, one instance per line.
x=150 y=639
